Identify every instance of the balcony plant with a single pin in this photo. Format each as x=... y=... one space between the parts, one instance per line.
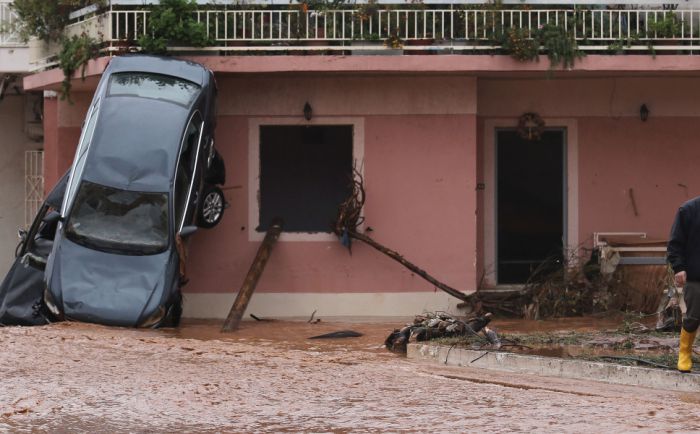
x=560 y=46
x=517 y=42
x=668 y=26
x=75 y=53
x=394 y=40
x=43 y=19
x=173 y=23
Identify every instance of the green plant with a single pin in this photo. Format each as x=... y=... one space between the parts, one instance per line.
x=560 y=46
x=44 y=19
x=173 y=23
x=394 y=40
x=558 y=43
x=366 y=10
x=666 y=26
x=619 y=46
x=518 y=43
x=75 y=53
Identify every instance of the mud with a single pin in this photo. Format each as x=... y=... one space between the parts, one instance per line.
x=269 y=378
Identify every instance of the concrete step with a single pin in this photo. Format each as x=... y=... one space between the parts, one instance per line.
x=556 y=367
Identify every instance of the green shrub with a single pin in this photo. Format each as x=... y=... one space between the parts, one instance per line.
x=173 y=23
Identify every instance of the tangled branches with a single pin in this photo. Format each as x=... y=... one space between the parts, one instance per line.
x=350 y=211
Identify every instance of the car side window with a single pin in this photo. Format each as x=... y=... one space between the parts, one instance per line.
x=186 y=166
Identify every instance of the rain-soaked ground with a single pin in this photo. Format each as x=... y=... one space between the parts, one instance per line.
x=73 y=377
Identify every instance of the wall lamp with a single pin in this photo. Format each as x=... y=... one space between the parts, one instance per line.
x=644 y=113
x=308 y=111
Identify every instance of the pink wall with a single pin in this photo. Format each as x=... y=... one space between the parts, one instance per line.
x=420 y=203
x=657 y=159
x=420 y=158
x=419 y=173
x=616 y=151
x=62 y=123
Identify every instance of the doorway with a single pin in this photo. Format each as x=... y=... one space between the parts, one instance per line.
x=530 y=204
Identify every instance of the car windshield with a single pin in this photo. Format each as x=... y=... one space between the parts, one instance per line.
x=156 y=86
x=119 y=221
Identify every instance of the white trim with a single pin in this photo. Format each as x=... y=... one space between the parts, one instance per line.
x=217 y=305
x=489 y=167
x=358 y=152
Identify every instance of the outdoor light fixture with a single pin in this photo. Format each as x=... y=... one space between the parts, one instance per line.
x=644 y=113
x=308 y=111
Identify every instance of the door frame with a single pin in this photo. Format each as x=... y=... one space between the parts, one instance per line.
x=570 y=211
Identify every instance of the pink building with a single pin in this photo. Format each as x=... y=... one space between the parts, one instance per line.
x=451 y=182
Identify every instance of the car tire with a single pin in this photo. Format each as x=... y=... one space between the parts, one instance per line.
x=211 y=207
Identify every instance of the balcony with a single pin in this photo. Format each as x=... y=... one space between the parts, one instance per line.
x=466 y=27
x=14 y=53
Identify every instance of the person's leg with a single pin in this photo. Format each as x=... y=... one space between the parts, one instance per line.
x=691 y=321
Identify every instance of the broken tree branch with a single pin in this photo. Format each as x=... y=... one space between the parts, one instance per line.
x=411 y=266
x=350 y=217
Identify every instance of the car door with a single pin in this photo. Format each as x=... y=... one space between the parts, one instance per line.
x=22 y=290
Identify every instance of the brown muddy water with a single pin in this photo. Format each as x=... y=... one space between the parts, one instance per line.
x=268 y=377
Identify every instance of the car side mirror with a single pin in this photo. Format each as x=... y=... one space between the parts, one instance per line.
x=187 y=231
x=52 y=217
x=22 y=234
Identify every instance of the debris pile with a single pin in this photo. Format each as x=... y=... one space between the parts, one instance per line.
x=573 y=288
x=430 y=325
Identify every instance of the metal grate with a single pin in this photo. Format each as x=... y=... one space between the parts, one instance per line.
x=33 y=184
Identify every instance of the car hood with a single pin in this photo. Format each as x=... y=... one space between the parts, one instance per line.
x=110 y=289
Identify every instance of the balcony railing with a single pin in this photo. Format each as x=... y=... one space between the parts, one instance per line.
x=8 y=38
x=455 y=27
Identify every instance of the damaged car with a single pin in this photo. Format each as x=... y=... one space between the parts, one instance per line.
x=22 y=290
x=145 y=176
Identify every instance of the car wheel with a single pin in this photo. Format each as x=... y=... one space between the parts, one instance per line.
x=212 y=207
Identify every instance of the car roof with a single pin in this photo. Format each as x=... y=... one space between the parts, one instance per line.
x=136 y=143
x=185 y=69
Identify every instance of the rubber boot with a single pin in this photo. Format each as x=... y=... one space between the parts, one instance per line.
x=685 y=352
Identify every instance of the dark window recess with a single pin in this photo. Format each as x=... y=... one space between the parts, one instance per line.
x=305 y=173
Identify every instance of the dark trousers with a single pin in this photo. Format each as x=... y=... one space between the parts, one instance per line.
x=691 y=296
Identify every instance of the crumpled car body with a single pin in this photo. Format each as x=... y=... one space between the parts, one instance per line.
x=144 y=165
x=22 y=290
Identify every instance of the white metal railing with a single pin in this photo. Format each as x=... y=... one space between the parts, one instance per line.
x=8 y=18
x=33 y=184
x=464 y=27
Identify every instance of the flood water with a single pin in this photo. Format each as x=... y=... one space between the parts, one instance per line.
x=268 y=377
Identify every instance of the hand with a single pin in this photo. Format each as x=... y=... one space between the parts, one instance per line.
x=680 y=278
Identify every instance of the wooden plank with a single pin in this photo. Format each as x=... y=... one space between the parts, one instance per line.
x=233 y=319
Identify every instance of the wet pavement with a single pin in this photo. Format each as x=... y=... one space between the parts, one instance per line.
x=268 y=377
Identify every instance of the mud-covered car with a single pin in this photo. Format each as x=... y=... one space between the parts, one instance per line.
x=144 y=177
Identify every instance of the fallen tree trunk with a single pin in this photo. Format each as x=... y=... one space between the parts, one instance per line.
x=251 y=280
